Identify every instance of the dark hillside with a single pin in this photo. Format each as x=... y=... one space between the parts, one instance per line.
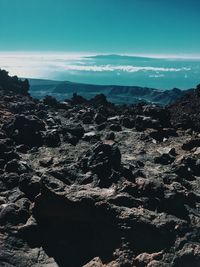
x=14 y=84
x=185 y=111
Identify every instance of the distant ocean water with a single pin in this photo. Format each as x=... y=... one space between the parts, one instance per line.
x=161 y=73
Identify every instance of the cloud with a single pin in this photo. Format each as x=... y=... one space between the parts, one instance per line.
x=37 y=65
x=124 y=68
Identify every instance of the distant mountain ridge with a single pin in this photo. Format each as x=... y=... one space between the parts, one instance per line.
x=115 y=93
x=119 y=56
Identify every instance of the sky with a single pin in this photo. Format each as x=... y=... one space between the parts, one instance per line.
x=101 y=26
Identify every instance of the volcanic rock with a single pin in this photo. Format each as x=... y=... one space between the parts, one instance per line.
x=72 y=197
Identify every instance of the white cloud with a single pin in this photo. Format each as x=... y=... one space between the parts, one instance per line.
x=37 y=65
x=125 y=68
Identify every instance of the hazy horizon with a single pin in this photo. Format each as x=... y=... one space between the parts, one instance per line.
x=87 y=53
x=102 y=69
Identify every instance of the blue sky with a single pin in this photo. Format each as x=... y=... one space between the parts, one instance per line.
x=101 y=26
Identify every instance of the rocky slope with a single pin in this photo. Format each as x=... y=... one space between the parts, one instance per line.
x=88 y=183
x=115 y=94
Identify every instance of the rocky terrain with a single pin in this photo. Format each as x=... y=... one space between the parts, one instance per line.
x=89 y=183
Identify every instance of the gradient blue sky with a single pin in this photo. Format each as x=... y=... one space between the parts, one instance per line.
x=102 y=26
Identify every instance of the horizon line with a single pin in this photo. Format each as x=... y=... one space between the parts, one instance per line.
x=78 y=53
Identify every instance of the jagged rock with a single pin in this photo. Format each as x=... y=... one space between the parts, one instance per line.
x=75 y=208
x=23 y=255
x=96 y=262
x=78 y=100
x=142 y=123
x=101 y=126
x=168 y=150
x=183 y=172
x=87 y=119
x=10 y=155
x=167 y=156
x=30 y=231
x=4 y=147
x=164 y=159
x=99 y=118
x=14 y=84
x=115 y=127
x=151 y=189
x=188 y=167
x=114 y=120
x=30 y=185
x=22 y=148
x=17 y=166
x=91 y=136
x=185 y=111
x=26 y=130
x=72 y=139
x=147 y=259
x=161 y=134
x=99 y=99
x=50 y=101
x=12 y=214
x=42 y=114
x=102 y=159
x=72 y=211
x=159 y=113
x=19 y=107
x=11 y=180
x=197 y=151
x=189 y=255
x=174 y=203
x=76 y=130
x=52 y=138
x=128 y=123
x=50 y=121
x=46 y=162
x=110 y=136
x=189 y=145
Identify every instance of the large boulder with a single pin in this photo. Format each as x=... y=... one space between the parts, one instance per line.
x=26 y=130
x=128 y=122
x=99 y=118
x=143 y=122
x=52 y=138
x=190 y=144
x=17 y=166
x=158 y=113
x=102 y=159
x=76 y=130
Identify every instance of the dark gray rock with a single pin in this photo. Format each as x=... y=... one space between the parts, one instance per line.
x=99 y=118
x=17 y=166
x=52 y=138
x=115 y=127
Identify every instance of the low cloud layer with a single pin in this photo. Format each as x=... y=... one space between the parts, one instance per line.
x=48 y=65
x=125 y=68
